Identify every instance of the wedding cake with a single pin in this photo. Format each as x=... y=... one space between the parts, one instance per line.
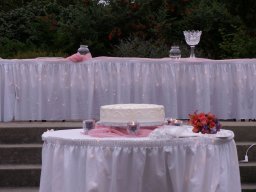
x=121 y=114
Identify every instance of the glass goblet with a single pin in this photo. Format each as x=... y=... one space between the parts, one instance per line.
x=192 y=39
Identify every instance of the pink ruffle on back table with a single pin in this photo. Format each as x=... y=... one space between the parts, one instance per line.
x=77 y=57
x=104 y=131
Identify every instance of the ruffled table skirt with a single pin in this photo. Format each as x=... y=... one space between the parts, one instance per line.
x=63 y=90
x=72 y=161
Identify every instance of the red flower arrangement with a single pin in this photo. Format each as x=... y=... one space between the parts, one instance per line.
x=206 y=123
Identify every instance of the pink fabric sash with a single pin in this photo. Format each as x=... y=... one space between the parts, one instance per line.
x=77 y=57
x=102 y=131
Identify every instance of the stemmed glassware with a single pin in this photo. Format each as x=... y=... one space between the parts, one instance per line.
x=192 y=39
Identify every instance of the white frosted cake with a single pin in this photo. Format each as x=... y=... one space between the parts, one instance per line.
x=121 y=114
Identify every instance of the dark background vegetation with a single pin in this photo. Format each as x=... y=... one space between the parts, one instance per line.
x=141 y=28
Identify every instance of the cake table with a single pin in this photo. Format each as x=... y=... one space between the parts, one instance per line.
x=72 y=161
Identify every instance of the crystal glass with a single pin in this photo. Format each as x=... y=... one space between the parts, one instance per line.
x=175 y=122
x=133 y=127
x=88 y=125
x=175 y=52
x=83 y=49
x=192 y=39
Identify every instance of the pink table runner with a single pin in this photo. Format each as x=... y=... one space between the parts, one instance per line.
x=103 y=131
x=78 y=57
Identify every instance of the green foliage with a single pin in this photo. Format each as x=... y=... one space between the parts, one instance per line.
x=211 y=17
x=238 y=44
x=38 y=53
x=136 y=47
x=246 y=11
x=84 y=25
x=31 y=26
x=12 y=4
x=19 y=50
x=9 y=48
x=62 y=25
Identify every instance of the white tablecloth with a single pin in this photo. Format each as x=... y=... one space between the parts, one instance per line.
x=59 y=89
x=7 y=92
x=72 y=161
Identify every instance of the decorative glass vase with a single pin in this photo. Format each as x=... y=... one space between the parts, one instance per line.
x=83 y=49
x=175 y=52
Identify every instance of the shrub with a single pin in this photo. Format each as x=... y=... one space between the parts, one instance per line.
x=212 y=17
x=9 y=48
x=64 y=25
x=136 y=47
x=38 y=53
x=238 y=44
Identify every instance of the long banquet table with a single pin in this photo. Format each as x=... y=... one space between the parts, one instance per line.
x=72 y=161
x=58 y=89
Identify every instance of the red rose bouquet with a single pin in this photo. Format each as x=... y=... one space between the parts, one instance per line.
x=206 y=123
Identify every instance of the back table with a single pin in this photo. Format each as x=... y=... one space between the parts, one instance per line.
x=58 y=89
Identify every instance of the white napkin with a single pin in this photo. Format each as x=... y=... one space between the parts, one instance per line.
x=170 y=131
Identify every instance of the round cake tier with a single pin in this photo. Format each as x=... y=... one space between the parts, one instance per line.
x=121 y=114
